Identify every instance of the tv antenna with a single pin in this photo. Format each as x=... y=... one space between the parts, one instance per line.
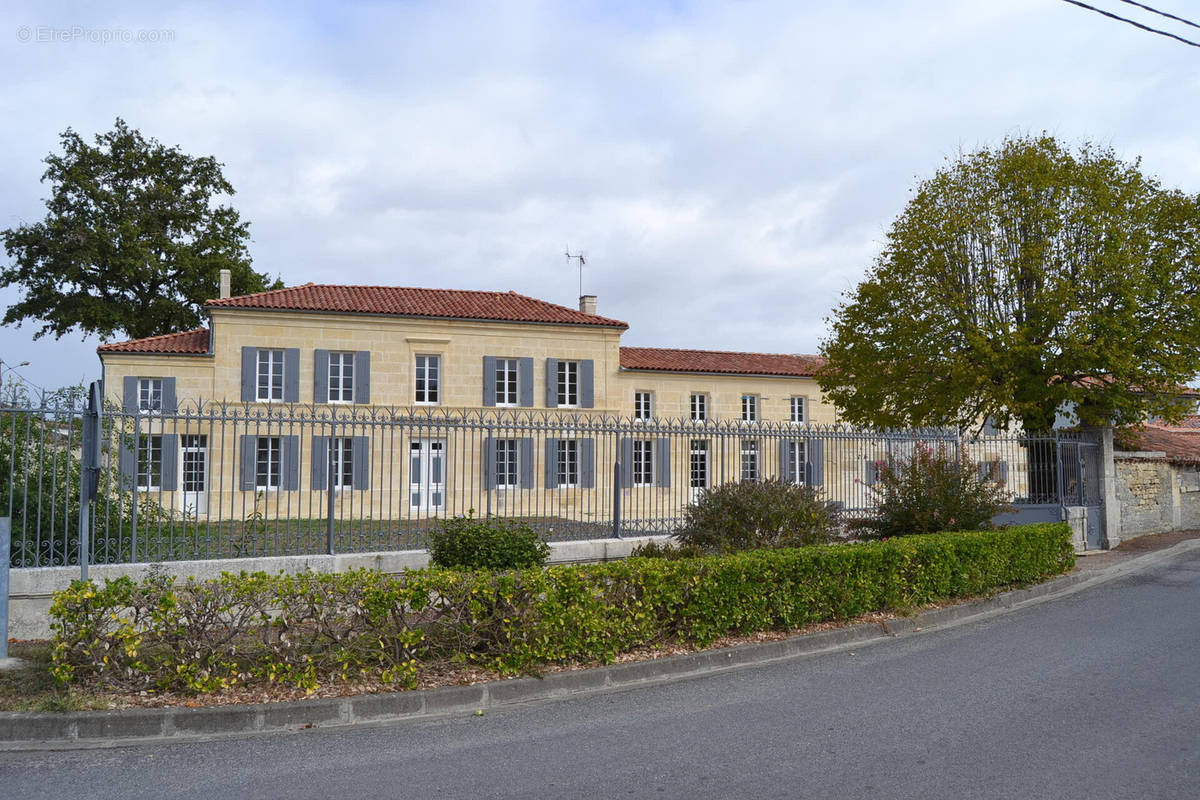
x=582 y=260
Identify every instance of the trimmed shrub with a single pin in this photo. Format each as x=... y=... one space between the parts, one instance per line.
x=748 y=515
x=932 y=491
x=308 y=629
x=489 y=543
x=664 y=549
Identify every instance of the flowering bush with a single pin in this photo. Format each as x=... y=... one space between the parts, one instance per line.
x=932 y=491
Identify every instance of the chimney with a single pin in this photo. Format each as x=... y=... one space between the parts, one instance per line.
x=225 y=278
x=587 y=303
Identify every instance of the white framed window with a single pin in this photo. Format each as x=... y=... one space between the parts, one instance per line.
x=428 y=379
x=195 y=451
x=266 y=463
x=795 y=456
x=568 y=384
x=568 y=463
x=341 y=455
x=750 y=466
x=699 y=407
x=749 y=408
x=799 y=407
x=643 y=405
x=150 y=394
x=270 y=376
x=507 y=393
x=643 y=462
x=341 y=377
x=149 y=462
x=699 y=464
x=507 y=475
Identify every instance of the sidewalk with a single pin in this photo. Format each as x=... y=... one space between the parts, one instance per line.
x=1132 y=548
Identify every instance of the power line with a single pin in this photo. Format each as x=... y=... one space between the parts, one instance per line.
x=1133 y=23
x=1161 y=13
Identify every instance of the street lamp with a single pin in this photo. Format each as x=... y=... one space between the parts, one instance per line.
x=8 y=368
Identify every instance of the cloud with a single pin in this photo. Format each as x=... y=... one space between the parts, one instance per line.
x=729 y=169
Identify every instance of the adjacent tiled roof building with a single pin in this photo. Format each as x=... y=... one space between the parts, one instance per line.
x=194 y=342
x=658 y=359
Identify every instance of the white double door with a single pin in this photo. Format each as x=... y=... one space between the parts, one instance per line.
x=427 y=474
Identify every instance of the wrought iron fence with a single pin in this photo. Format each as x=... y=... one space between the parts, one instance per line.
x=222 y=480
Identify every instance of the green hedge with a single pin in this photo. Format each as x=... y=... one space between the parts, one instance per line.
x=315 y=628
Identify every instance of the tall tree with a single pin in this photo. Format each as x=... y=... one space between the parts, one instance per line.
x=133 y=242
x=1019 y=281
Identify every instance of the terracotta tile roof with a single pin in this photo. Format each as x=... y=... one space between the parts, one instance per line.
x=188 y=342
x=660 y=359
x=409 y=302
x=1180 y=443
x=1190 y=421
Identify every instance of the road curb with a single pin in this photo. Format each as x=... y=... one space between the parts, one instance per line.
x=39 y=731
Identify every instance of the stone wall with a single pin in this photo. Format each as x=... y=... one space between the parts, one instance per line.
x=1156 y=495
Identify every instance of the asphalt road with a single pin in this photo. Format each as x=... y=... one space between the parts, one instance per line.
x=1093 y=695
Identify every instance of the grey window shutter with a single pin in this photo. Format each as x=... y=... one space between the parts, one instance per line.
x=291 y=375
x=587 y=463
x=551 y=463
x=249 y=375
x=362 y=377
x=1004 y=472
x=289 y=462
x=249 y=461
x=170 y=401
x=587 y=379
x=489 y=459
x=626 y=463
x=983 y=470
x=551 y=383
x=321 y=376
x=526 y=463
x=360 y=462
x=127 y=460
x=814 y=464
x=785 y=463
x=663 y=466
x=129 y=402
x=320 y=462
x=489 y=383
x=525 y=381
x=170 y=462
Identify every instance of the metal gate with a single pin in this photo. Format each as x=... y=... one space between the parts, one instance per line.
x=1079 y=468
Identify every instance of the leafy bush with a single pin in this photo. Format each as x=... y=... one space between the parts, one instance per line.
x=747 y=515
x=309 y=629
x=660 y=549
x=491 y=543
x=932 y=491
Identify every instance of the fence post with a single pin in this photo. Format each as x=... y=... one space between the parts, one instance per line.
x=329 y=499
x=89 y=473
x=1110 y=509
x=616 y=521
x=6 y=549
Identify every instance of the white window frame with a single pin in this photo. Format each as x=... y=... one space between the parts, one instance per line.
x=800 y=405
x=698 y=464
x=699 y=407
x=507 y=467
x=341 y=449
x=265 y=381
x=750 y=466
x=427 y=391
x=567 y=463
x=797 y=461
x=150 y=395
x=643 y=462
x=568 y=384
x=149 y=462
x=750 y=408
x=643 y=406
x=268 y=452
x=341 y=376
x=508 y=377
x=195 y=469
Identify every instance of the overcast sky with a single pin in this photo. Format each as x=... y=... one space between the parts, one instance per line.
x=728 y=169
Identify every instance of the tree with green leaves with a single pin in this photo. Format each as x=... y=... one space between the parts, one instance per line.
x=133 y=242
x=1020 y=281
